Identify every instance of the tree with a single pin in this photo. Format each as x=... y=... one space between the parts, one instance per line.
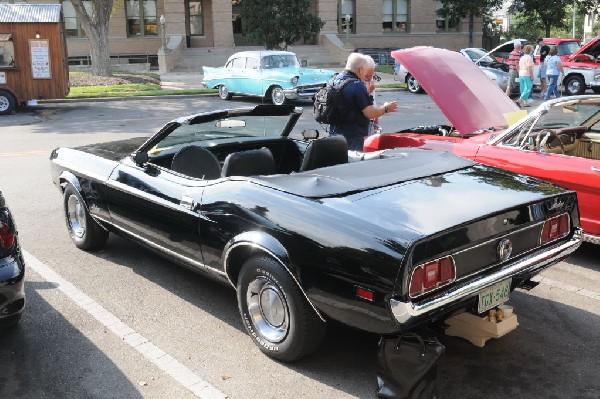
x=551 y=13
x=96 y=30
x=279 y=23
x=461 y=9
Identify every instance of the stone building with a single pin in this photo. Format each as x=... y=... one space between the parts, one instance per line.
x=135 y=26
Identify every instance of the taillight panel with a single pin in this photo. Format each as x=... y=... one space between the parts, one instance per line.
x=555 y=228
x=7 y=231
x=431 y=275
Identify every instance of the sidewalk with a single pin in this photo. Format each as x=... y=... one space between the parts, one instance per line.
x=192 y=80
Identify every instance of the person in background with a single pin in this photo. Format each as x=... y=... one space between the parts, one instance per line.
x=553 y=69
x=359 y=102
x=526 y=76
x=544 y=49
x=513 y=65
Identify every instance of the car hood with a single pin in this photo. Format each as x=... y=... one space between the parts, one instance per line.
x=466 y=96
x=591 y=48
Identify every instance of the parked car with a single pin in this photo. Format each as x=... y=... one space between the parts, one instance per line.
x=274 y=75
x=501 y=51
x=12 y=269
x=307 y=232
x=558 y=142
x=491 y=68
x=579 y=62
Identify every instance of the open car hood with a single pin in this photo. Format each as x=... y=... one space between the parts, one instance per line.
x=466 y=96
x=591 y=48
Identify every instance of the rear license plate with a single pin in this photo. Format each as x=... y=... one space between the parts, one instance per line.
x=493 y=296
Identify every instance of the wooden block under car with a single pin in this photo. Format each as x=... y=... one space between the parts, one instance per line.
x=478 y=330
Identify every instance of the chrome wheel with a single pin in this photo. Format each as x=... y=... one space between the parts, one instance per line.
x=277 y=96
x=76 y=216
x=268 y=309
x=224 y=93
x=413 y=85
x=575 y=86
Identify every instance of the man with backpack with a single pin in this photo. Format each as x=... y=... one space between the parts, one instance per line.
x=358 y=108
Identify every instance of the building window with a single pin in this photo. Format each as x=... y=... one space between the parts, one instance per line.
x=73 y=27
x=7 y=52
x=395 y=15
x=196 y=18
x=141 y=17
x=446 y=24
x=346 y=12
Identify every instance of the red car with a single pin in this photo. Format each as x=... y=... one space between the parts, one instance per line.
x=580 y=63
x=559 y=141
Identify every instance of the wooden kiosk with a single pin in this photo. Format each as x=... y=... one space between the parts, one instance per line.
x=33 y=54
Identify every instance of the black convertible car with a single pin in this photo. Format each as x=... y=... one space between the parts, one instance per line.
x=12 y=269
x=307 y=232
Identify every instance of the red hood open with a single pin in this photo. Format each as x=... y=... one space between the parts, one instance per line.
x=591 y=48
x=466 y=96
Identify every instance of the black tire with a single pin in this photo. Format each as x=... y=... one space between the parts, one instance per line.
x=85 y=232
x=277 y=96
x=7 y=103
x=574 y=85
x=413 y=85
x=275 y=312
x=224 y=93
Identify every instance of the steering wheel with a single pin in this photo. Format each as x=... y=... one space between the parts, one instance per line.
x=547 y=134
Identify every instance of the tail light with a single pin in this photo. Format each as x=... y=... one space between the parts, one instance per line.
x=7 y=236
x=555 y=228
x=431 y=275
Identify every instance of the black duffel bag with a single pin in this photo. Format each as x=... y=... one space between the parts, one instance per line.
x=407 y=367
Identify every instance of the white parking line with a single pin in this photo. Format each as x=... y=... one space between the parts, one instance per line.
x=157 y=356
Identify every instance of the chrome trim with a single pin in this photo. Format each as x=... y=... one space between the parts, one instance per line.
x=404 y=311
x=260 y=247
x=591 y=239
x=510 y=233
x=195 y=263
x=187 y=202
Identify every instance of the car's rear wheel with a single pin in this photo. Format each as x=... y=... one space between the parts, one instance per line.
x=277 y=95
x=85 y=232
x=224 y=93
x=574 y=85
x=7 y=103
x=275 y=313
x=413 y=85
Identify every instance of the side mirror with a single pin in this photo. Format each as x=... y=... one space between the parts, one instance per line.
x=304 y=63
x=140 y=158
x=310 y=134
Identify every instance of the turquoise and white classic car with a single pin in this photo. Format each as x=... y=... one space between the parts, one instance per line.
x=274 y=75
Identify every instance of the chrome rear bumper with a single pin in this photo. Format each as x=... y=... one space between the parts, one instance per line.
x=405 y=311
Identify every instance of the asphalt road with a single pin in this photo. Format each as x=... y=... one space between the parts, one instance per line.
x=124 y=323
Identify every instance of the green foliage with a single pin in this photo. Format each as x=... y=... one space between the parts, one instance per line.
x=556 y=17
x=279 y=23
x=461 y=9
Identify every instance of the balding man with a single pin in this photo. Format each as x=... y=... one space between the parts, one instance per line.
x=513 y=64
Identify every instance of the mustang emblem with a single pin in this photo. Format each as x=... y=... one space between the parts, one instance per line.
x=505 y=249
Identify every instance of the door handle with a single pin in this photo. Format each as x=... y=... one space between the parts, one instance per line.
x=595 y=169
x=187 y=202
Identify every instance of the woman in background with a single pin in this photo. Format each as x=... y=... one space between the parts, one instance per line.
x=553 y=70
x=526 y=76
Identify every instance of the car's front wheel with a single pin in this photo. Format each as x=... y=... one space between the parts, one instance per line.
x=275 y=313
x=574 y=85
x=224 y=93
x=7 y=103
x=413 y=85
x=85 y=232
x=277 y=96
